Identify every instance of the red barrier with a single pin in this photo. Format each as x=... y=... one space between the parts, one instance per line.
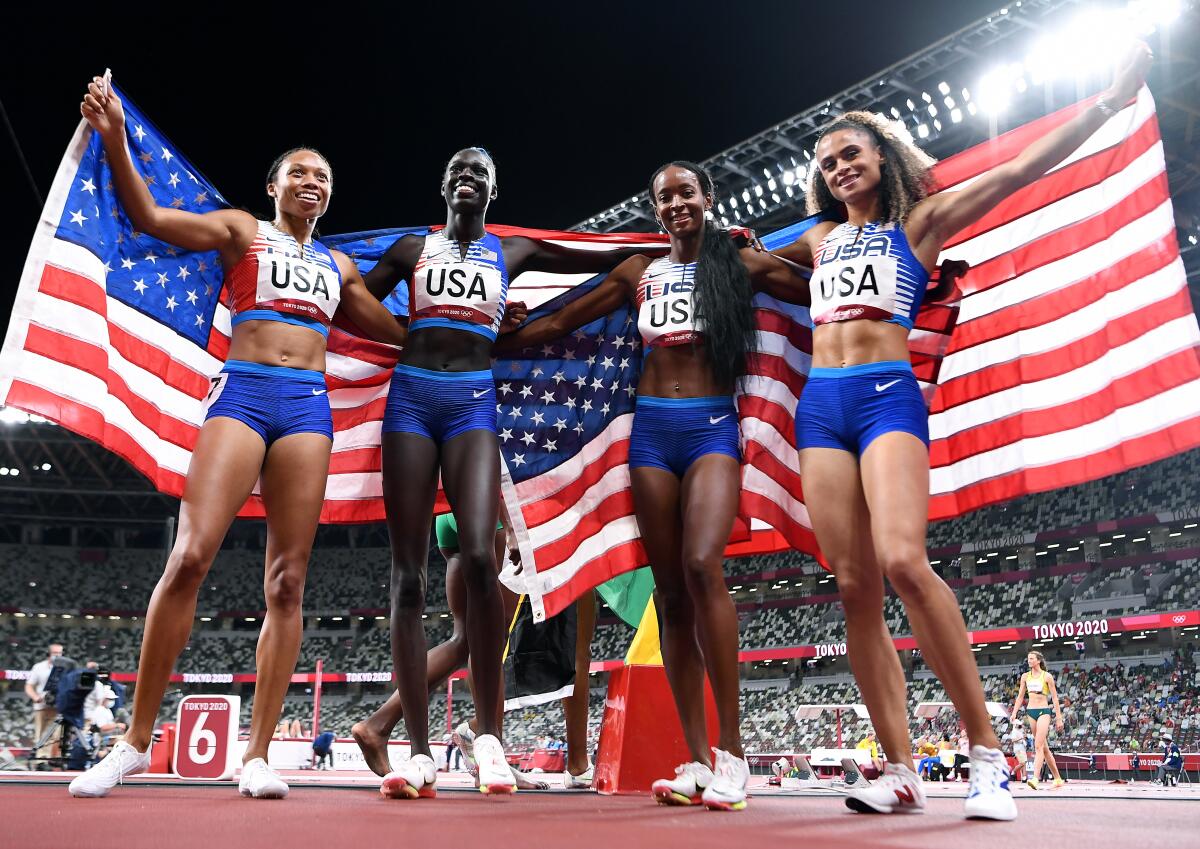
x=641 y=739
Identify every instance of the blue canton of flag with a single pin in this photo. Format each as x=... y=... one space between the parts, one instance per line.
x=177 y=288
x=556 y=398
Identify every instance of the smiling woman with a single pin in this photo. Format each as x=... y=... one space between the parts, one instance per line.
x=696 y=320
x=267 y=417
x=440 y=420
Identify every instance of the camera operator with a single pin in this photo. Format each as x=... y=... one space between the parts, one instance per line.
x=43 y=707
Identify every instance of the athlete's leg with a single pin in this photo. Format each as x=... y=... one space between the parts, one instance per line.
x=224 y=467
x=293 y=491
x=1041 y=731
x=471 y=479
x=840 y=521
x=708 y=501
x=575 y=706
x=410 y=475
x=1050 y=761
x=441 y=661
x=895 y=475
x=656 y=503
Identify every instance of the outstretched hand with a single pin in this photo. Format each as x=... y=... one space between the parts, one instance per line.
x=102 y=108
x=1130 y=74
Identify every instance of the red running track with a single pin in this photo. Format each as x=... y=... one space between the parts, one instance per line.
x=173 y=817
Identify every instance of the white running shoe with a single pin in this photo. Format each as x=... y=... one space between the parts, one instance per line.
x=113 y=769
x=686 y=788
x=988 y=797
x=898 y=790
x=464 y=738
x=415 y=778
x=584 y=780
x=727 y=792
x=261 y=782
x=494 y=775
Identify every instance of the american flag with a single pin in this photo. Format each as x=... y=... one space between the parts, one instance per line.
x=1073 y=357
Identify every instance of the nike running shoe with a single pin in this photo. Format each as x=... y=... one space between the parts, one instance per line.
x=120 y=763
x=686 y=788
x=415 y=778
x=988 y=797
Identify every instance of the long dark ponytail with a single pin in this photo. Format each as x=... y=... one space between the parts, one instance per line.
x=723 y=293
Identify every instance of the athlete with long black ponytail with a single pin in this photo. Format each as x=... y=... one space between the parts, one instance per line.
x=696 y=320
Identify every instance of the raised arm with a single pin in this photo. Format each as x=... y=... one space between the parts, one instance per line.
x=940 y=216
x=396 y=264
x=779 y=277
x=364 y=309
x=606 y=297
x=525 y=254
x=225 y=230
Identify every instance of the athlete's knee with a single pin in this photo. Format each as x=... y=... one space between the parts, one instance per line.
x=478 y=565
x=862 y=595
x=909 y=573
x=187 y=567
x=284 y=585
x=408 y=588
x=703 y=575
x=674 y=603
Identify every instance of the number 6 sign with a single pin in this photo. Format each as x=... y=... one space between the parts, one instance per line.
x=205 y=735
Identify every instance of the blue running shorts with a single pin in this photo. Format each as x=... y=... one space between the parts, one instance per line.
x=848 y=408
x=274 y=401
x=440 y=405
x=673 y=433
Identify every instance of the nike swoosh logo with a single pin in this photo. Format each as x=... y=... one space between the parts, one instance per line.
x=480 y=393
x=318 y=392
x=879 y=387
x=718 y=419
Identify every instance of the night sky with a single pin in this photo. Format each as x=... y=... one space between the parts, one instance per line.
x=578 y=103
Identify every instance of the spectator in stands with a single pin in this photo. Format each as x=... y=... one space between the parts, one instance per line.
x=870 y=745
x=43 y=708
x=1172 y=759
x=927 y=752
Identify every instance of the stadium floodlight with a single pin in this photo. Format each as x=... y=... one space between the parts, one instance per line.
x=758 y=191
x=937 y=125
x=932 y=111
x=971 y=107
x=923 y=131
x=895 y=113
x=788 y=177
x=949 y=101
x=943 y=87
x=956 y=115
x=46 y=467
x=927 y=97
x=912 y=107
x=772 y=185
x=994 y=91
x=746 y=195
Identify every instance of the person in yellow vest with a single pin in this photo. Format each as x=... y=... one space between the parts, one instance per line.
x=870 y=745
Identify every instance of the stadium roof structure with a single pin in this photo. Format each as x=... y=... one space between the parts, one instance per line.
x=955 y=93
x=1026 y=59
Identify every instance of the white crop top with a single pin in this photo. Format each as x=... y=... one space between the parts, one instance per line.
x=666 y=308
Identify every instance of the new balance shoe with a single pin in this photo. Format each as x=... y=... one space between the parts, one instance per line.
x=686 y=788
x=415 y=778
x=584 y=780
x=727 y=791
x=988 y=797
x=495 y=777
x=120 y=763
x=898 y=790
x=261 y=782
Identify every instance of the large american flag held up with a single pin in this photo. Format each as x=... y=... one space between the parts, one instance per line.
x=1073 y=355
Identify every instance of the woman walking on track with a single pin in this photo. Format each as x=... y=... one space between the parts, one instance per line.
x=697 y=323
x=862 y=426
x=267 y=416
x=1038 y=685
x=441 y=417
